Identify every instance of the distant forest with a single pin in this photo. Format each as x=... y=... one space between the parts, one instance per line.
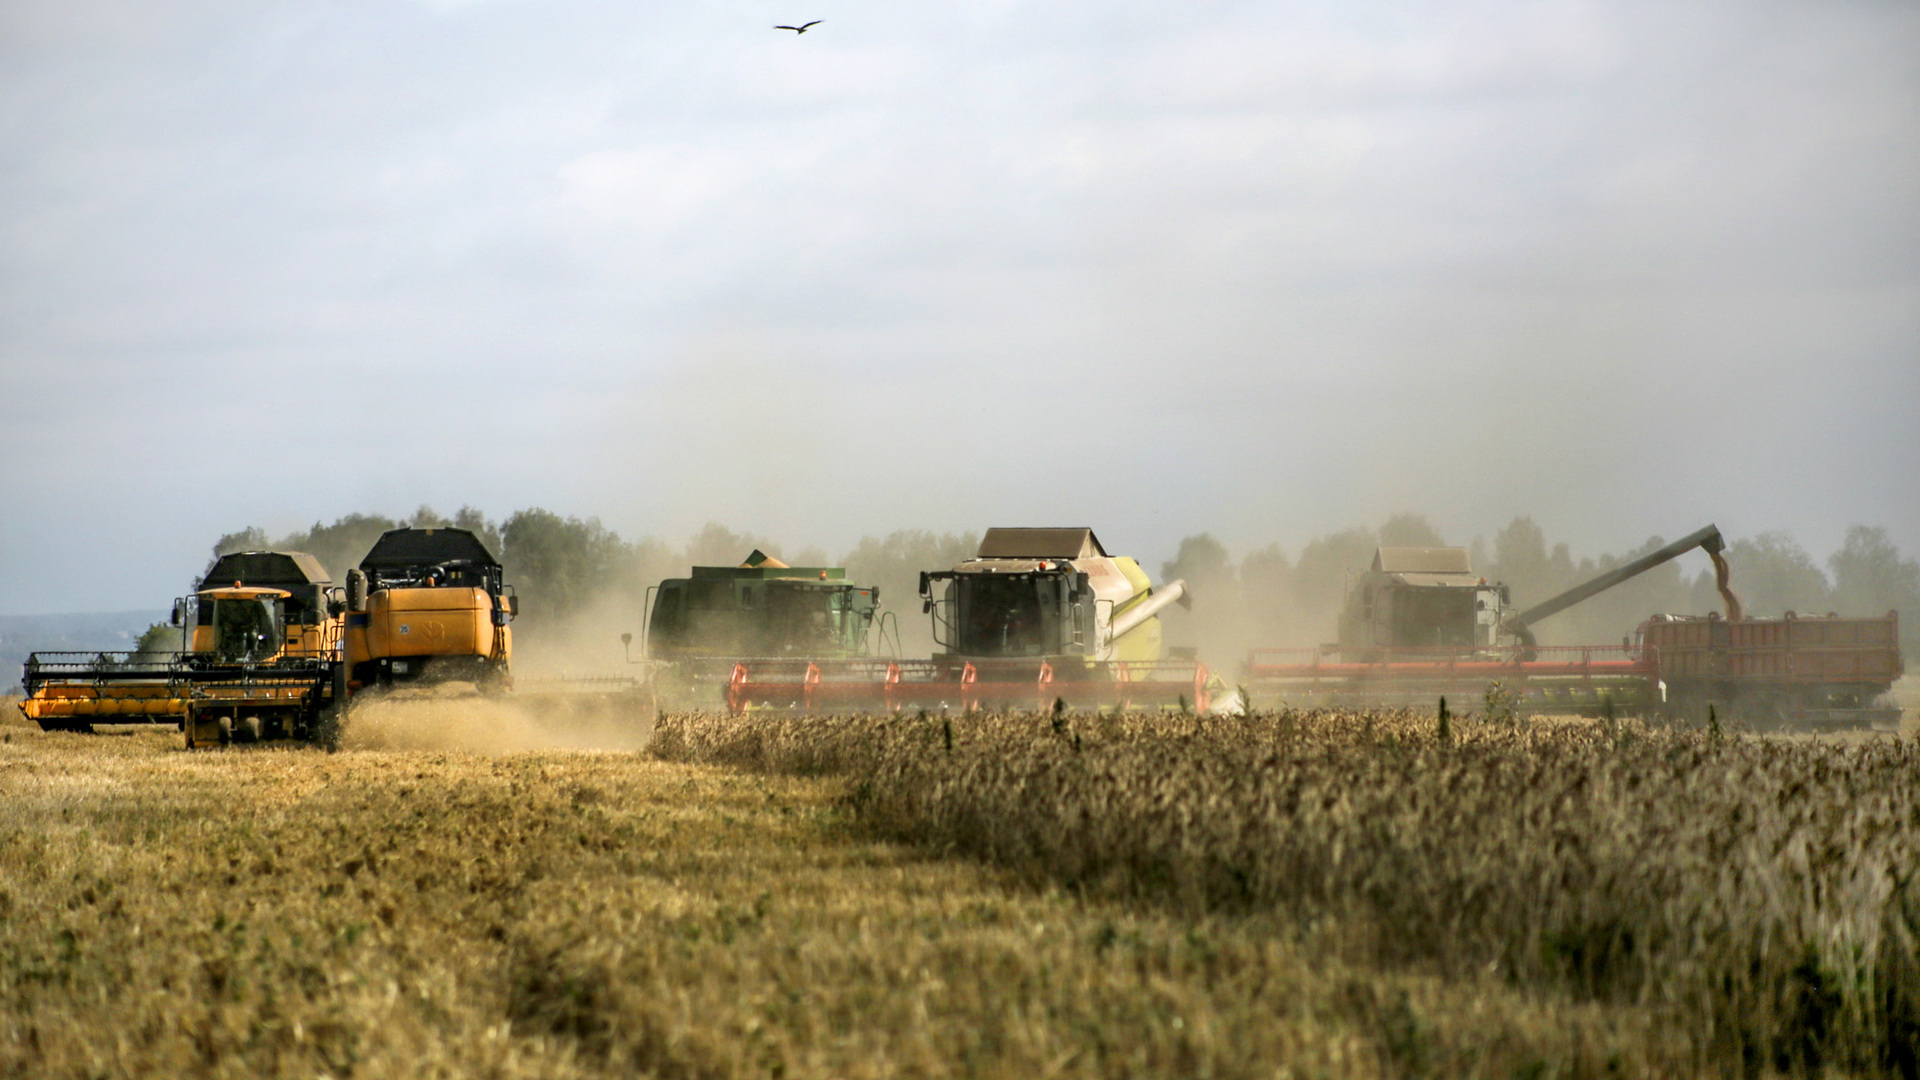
x=576 y=577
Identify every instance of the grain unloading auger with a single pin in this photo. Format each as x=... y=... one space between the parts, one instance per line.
x=1707 y=539
x=1038 y=616
x=260 y=659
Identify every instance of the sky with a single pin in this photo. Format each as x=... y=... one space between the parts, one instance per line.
x=1261 y=269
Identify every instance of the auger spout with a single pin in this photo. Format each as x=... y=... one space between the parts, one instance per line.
x=1709 y=538
x=1174 y=592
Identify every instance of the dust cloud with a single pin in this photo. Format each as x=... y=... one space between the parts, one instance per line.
x=455 y=717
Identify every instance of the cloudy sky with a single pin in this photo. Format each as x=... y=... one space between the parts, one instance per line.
x=1265 y=269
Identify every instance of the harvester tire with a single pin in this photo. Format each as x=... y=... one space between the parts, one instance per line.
x=226 y=731
x=250 y=730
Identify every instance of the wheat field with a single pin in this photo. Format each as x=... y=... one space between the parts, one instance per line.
x=1327 y=895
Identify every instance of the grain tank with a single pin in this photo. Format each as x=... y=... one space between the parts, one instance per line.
x=429 y=605
x=1420 y=598
x=760 y=608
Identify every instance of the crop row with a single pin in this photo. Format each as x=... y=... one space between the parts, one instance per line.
x=1757 y=891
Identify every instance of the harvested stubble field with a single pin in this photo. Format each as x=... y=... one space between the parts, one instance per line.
x=1304 y=895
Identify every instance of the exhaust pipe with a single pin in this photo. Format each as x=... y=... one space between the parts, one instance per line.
x=1174 y=592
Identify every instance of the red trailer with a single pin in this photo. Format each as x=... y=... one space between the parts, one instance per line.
x=1798 y=670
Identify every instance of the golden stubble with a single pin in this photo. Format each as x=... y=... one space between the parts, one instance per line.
x=560 y=912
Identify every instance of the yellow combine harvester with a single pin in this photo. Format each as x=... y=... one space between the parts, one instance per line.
x=260 y=660
x=428 y=607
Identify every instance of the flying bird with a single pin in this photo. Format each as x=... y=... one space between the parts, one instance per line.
x=802 y=28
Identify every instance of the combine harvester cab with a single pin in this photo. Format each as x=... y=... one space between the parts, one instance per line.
x=260 y=660
x=429 y=606
x=760 y=612
x=1037 y=616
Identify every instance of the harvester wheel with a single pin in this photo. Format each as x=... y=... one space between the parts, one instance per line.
x=251 y=730
x=226 y=731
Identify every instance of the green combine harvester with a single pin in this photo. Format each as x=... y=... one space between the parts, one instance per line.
x=1039 y=618
x=699 y=627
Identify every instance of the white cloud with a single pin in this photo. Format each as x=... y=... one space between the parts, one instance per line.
x=1281 y=266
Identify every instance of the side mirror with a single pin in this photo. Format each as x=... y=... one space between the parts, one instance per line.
x=513 y=606
x=179 y=617
x=926 y=607
x=926 y=587
x=626 y=639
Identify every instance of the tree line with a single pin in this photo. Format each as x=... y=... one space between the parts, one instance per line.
x=569 y=570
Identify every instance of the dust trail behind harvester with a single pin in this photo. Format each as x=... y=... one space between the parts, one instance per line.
x=455 y=718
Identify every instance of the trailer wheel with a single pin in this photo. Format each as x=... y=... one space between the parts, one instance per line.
x=226 y=731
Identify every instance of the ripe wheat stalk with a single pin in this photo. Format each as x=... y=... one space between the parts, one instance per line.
x=1758 y=891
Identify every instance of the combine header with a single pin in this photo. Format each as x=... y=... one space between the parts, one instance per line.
x=262 y=634
x=1420 y=625
x=1038 y=616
